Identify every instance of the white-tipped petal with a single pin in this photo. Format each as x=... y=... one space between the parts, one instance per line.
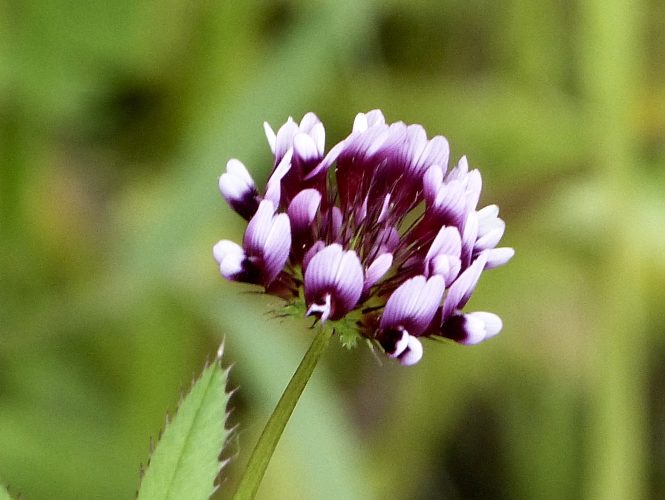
x=274 y=186
x=231 y=266
x=469 y=236
x=450 y=202
x=329 y=159
x=498 y=256
x=385 y=209
x=268 y=237
x=302 y=209
x=474 y=184
x=238 y=189
x=439 y=265
x=492 y=323
x=360 y=123
x=492 y=237
x=364 y=121
x=258 y=228
x=335 y=221
x=231 y=187
x=305 y=147
x=337 y=272
x=270 y=135
x=349 y=280
x=432 y=182
x=444 y=255
x=318 y=134
x=413 y=304
x=460 y=291
x=224 y=248
x=463 y=165
x=375 y=117
x=446 y=266
x=473 y=328
x=487 y=215
x=230 y=257
x=377 y=269
x=308 y=121
x=460 y=171
x=277 y=247
x=238 y=169
x=413 y=352
x=415 y=142
x=436 y=153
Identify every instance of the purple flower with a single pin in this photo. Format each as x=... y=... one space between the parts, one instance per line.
x=238 y=189
x=408 y=312
x=333 y=282
x=303 y=144
x=377 y=235
x=264 y=251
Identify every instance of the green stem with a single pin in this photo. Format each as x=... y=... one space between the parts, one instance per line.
x=616 y=433
x=265 y=447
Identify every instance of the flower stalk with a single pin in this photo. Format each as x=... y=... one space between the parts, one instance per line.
x=265 y=446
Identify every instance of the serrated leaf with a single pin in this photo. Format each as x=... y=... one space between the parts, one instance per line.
x=186 y=462
x=4 y=494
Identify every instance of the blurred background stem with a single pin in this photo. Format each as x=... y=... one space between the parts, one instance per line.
x=616 y=465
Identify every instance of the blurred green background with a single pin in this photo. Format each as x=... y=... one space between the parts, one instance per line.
x=117 y=117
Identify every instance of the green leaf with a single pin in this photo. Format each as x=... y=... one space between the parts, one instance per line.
x=4 y=494
x=186 y=462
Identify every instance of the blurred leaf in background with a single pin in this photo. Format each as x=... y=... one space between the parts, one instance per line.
x=186 y=461
x=116 y=119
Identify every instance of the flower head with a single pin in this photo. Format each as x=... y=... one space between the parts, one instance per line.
x=377 y=234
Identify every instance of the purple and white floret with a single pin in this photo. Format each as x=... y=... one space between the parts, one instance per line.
x=333 y=282
x=238 y=189
x=378 y=232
